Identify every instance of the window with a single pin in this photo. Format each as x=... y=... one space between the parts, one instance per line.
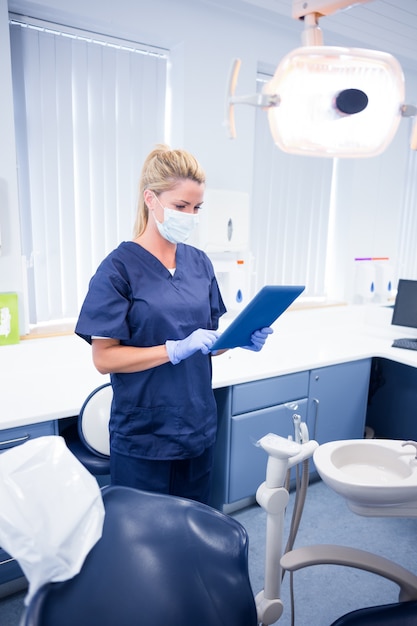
x=291 y=204
x=88 y=109
x=407 y=258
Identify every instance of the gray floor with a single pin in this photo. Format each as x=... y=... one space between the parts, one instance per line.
x=322 y=593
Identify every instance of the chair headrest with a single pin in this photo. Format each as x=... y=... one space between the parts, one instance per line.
x=93 y=420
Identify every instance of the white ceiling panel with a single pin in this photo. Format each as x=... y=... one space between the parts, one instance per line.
x=389 y=25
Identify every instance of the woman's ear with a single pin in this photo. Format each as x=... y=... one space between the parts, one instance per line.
x=149 y=197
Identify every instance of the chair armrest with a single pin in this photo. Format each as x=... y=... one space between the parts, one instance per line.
x=353 y=557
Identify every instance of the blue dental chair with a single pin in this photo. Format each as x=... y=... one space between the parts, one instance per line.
x=399 y=614
x=171 y=561
x=160 y=560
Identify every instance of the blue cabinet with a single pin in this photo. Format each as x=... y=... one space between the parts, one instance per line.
x=392 y=410
x=246 y=413
x=9 y=438
x=338 y=398
x=247 y=460
x=337 y=401
x=332 y=400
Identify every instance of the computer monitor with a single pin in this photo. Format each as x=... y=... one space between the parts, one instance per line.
x=405 y=307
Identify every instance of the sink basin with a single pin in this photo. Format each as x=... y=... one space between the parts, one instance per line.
x=371 y=474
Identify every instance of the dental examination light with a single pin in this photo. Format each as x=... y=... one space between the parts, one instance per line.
x=328 y=100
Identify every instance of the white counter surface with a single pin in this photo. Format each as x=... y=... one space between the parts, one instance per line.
x=47 y=379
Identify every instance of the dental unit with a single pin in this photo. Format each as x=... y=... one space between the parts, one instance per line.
x=322 y=100
x=376 y=477
x=273 y=496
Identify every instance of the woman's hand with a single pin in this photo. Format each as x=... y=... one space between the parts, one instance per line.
x=258 y=339
x=201 y=339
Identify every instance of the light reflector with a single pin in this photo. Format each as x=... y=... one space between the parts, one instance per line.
x=311 y=80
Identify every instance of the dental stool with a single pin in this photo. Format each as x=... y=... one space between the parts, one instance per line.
x=88 y=439
x=161 y=560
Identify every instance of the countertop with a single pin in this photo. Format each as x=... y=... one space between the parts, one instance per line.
x=49 y=378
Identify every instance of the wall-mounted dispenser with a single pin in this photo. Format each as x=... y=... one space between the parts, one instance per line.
x=384 y=280
x=223 y=233
x=224 y=221
x=233 y=271
x=364 y=281
x=373 y=280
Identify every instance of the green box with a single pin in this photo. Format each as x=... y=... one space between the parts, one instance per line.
x=9 y=319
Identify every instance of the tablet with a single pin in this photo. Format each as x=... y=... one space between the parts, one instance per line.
x=268 y=304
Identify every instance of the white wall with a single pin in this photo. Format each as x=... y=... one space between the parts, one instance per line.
x=368 y=214
x=203 y=41
x=11 y=275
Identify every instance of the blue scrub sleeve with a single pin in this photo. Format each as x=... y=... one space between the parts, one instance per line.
x=216 y=303
x=105 y=308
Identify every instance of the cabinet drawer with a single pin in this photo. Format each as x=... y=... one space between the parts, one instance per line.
x=260 y=394
x=14 y=436
x=9 y=568
x=248 y=461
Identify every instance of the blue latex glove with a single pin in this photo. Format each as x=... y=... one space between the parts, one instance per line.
x=258 y=339
x=200 y=339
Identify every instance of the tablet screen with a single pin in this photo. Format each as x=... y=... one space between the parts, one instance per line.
x=268 y=304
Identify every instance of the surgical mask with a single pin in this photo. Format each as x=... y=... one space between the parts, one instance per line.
x=177 y=226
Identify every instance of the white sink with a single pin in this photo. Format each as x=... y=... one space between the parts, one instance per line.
x=375 y=476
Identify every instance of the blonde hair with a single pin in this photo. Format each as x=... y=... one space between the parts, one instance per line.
x=162 y=170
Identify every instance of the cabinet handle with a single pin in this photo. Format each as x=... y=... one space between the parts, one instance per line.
x=10 y=442
x=316 y=403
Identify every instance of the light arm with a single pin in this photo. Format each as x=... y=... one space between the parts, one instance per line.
x=301 y=8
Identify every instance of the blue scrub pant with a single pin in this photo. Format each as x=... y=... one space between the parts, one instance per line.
x=188 y=478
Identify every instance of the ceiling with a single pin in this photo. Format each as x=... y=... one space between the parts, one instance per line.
x=388 y=25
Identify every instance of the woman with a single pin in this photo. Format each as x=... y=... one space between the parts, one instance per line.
x=151 y=314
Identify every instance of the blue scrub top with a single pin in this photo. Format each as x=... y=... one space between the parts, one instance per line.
x=169 y=411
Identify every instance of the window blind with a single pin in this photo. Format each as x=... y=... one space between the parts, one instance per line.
x=88 y=108
x=407 y=258
x=290 y=213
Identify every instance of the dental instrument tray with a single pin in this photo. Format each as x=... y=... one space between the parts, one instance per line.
x=268 y=304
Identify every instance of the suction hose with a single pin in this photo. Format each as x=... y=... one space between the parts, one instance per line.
x=300 y=497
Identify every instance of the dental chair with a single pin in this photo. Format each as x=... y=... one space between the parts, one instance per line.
x=161 y=560
x=88 y=439
x=403 y=613
x=399 y=614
